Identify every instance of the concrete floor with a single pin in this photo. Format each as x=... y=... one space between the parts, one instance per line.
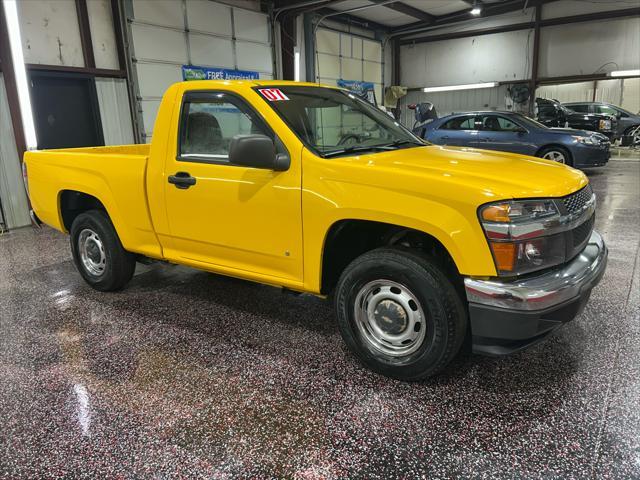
x=194 y=375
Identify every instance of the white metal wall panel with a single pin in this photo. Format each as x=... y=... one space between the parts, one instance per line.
x=568 y=92
x=113 y=99
x=485 y=58
x=254 y=56
x=159 y=44
x=614 y=90
x=371 y=50
x=159 y=12
x=209 y=17
x=103 y=37
x=456 y=101
x=586 y=48
x=149 y=112
x=12 y=193
x=153 y=78
x=166 y=34
x=565 y=8
x=201 y=47
x=348 y=57
x=250 y=26
x=50 y=32
x=631 y=95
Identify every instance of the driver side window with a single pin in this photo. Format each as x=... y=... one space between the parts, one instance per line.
x=210 y=121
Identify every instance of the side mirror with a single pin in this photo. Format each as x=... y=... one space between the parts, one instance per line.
x=520 y=130
x=257 y=151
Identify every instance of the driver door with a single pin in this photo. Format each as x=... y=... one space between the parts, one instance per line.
x=235 y=219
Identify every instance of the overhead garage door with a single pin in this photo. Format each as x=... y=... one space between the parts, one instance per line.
x=348 y=57
x=166 y=34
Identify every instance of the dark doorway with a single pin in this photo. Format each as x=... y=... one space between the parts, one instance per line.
x=66 y=110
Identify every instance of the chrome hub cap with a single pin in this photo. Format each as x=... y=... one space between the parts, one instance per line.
x=91 y=252
x=390 y=318
x=555 y=156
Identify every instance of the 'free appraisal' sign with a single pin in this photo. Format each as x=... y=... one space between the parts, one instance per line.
x=191 y=72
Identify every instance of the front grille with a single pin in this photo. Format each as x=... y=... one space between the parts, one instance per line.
x=574 y=202
x=582 y=232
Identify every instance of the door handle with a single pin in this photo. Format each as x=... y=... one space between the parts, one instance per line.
x=446 y=137
x=483 y=139
x=182 y=180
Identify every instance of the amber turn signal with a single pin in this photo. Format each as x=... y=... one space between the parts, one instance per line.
x=497 y=213
x=504 y=254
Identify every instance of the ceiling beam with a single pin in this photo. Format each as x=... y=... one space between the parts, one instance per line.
x=408 y=10
x=588 y=17
x=352 y=20
x=487 y=11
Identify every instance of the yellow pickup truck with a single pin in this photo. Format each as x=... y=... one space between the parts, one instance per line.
x=311 y=189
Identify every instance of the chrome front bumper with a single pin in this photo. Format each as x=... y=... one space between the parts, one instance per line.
x=506 y=317
x=548 y=289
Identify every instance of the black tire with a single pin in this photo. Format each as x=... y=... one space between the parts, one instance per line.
x=567 y=155
x=118 y=266
x=444 y=319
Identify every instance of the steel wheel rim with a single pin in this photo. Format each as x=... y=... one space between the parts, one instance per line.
x=555 y=156
x=390 y=318
x=92 y=254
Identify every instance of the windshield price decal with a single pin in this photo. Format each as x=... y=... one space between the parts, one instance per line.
x=273 y=94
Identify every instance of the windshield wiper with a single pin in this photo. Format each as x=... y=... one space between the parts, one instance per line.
x=397 y=143
x=357 y=148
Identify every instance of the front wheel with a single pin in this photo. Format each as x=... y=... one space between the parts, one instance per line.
x=400 y=313
x=556 y=154
x=98 y=254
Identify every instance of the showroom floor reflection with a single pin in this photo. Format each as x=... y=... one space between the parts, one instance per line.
x=190 y=374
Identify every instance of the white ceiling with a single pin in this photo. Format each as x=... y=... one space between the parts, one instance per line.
x=388 y=17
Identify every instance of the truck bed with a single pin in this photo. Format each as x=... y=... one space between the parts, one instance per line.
x=114 y=175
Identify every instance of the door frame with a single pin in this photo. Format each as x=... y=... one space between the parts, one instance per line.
x=93 y=93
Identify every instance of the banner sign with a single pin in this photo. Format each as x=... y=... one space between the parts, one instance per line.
x=364 y=90
x=192 y=72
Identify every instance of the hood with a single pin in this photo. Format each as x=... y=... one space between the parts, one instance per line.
x=487 y=175
x=570 y=131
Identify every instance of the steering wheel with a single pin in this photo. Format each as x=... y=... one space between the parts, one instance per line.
x=349 y=139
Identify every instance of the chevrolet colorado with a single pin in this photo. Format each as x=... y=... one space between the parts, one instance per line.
x=420 y=246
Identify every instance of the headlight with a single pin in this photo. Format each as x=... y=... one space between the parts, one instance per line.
x=585 y=140
x=522 y=236
x=605 y=124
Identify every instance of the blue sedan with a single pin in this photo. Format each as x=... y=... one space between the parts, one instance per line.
x=513 y=132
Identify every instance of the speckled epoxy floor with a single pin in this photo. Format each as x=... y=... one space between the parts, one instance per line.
x=187 y=374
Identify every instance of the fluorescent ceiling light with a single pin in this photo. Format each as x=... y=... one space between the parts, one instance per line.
x=20 y=72
x=476 y=11
x=296 y=65
x=625 y=73
x=468 y=86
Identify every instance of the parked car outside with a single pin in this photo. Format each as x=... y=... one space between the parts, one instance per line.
x=513 y=132
x=553 y=114
x=627 y=121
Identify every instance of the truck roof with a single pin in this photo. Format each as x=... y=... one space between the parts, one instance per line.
x=257 y=83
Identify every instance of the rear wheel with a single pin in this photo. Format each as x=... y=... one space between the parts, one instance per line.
x=400 y=313
x=556 y=154
x=98 y=254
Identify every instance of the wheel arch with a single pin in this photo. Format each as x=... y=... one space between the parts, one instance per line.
x=349 y=238
x=555 y=145
x=72 y=203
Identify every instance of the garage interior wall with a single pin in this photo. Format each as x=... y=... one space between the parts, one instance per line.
x=166 y=34
x=576 y=49
x=348 y=57
x=13 y=198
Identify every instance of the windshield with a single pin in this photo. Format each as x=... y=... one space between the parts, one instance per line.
x=334 y=122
